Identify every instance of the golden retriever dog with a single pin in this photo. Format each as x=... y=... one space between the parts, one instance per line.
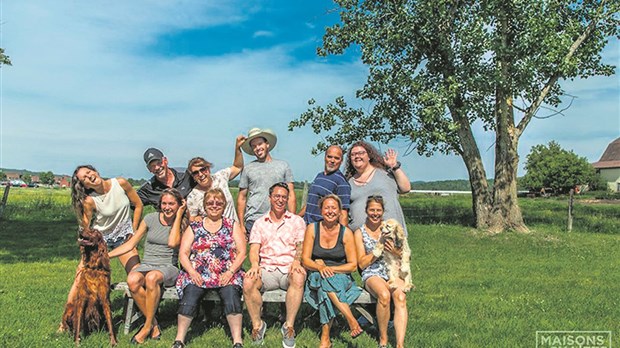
x=84 y=311
x=398 y=266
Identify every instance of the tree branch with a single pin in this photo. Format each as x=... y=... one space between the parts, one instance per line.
x=532 y=109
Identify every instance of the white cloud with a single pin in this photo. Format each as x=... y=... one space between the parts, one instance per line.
x=262 y=33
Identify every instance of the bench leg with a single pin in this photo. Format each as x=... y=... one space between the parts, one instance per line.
x=129 y=308
x=360 y=308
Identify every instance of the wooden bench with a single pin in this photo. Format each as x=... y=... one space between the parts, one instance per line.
x=131 y=314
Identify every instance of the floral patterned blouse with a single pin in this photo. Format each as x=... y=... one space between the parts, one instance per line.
x=211 y=255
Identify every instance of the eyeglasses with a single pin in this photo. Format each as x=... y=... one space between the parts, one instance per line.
x=201 y=170
x=214 y=203
x=358 y=153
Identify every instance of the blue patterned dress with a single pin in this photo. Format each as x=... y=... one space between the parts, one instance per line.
x=377 y=268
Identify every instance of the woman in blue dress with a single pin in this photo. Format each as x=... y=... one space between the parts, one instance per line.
x=375 y=273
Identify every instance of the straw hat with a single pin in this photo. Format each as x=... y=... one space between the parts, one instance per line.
x=254 y=133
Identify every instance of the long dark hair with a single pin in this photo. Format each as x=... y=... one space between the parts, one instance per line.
x=376 y=160
x=179 y=199
x=79 y=192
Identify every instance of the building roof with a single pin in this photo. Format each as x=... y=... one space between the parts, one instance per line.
x=611 y=156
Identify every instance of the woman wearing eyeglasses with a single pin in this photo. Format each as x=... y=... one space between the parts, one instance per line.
x=369 y=174
x=159 y=263
x=212 y=252
x=200 y=169
x=375 y=274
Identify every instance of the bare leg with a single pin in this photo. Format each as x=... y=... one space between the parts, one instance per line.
x=183 y=325
x=346 y=312
x=130 y=260
x=234 y=322
x=72 y=292
x=294 y=296
x=400 y=316
x=380 y=290
x=325 y=339
x=253 y=300
x=153 y=281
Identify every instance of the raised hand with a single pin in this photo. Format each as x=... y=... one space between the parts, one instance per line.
x=390 y=158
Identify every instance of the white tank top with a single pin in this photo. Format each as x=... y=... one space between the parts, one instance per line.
x=113 y=213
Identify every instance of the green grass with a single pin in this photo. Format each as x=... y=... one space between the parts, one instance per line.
x=472 y=289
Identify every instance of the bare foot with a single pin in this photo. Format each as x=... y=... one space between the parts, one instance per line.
x=355 y=332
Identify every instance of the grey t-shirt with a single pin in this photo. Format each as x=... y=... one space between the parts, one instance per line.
x=381 y=184
x=156 y=250
x=258 y=177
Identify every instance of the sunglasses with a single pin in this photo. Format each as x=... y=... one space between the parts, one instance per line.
x=201 y=170
x=377 y=198
x=214 y=203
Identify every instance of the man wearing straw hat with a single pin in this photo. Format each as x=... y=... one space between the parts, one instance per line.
x=259 y=175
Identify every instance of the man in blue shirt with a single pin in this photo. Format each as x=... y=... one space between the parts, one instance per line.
x=330 y=180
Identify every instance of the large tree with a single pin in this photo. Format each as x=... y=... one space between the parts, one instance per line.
x=436 y=67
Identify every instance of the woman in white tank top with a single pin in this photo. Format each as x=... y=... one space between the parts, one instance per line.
x=105 y=205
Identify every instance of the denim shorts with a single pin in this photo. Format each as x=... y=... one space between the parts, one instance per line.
x=113 y=244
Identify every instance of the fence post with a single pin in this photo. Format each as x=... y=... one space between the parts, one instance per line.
x=304 y=194
x=4 y=198
x=570 y=210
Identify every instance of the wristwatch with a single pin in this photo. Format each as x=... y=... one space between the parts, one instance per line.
x=396 y=167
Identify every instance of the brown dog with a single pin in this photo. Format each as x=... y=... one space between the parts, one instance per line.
x=83 y=311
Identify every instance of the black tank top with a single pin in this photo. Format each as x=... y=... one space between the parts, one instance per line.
x=332 y=257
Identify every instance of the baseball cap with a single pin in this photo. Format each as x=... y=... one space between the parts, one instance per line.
x=152 y=154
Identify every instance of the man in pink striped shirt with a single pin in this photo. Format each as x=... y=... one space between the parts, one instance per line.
x=275 y=254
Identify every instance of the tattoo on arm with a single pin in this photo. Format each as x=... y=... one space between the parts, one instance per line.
x=298 y=247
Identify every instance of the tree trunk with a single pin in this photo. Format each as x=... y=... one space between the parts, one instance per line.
x=480 y=193
x=505 y=213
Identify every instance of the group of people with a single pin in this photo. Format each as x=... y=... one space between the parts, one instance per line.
x=310 y=254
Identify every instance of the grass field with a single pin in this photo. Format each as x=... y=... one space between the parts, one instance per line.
x=473 y=290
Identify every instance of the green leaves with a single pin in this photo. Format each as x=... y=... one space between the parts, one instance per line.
x=433 y=64
x=551 y=166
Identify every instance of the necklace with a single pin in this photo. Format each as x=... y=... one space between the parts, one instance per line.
x=364 y=179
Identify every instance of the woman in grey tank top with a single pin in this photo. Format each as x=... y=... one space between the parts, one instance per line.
x=159 y=267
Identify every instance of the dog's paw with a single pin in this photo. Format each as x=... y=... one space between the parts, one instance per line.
x=392 y=284
x=377 y=251
x=408 y=287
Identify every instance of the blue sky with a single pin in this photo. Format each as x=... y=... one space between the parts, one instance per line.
x=99 y=82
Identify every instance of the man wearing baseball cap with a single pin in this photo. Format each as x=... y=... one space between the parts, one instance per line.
x=163 y=177
x=259 y=175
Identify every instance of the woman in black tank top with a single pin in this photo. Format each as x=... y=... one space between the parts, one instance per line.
x=329 y=254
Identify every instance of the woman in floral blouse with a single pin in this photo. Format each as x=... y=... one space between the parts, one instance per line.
x=212 y=252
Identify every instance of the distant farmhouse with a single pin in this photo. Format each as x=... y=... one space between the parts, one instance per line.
x=17 y=175
x=609 y=165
